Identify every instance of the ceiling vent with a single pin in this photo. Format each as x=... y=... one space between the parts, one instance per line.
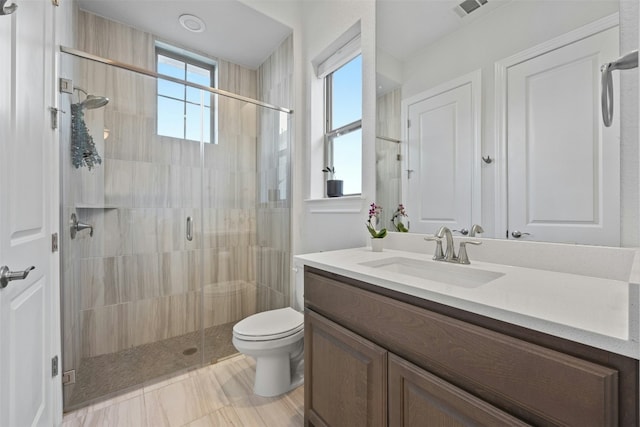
x=468 y=6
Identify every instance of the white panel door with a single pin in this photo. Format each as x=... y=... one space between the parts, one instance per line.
x=443 y=137
x=26 y=141
x=563 y=164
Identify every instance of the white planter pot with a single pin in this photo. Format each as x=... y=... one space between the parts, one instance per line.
x=377 y=244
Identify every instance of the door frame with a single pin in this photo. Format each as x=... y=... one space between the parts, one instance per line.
x=501 y=69
x=59 y=18
x=473 y=78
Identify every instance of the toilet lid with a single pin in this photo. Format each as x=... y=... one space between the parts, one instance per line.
x=269 y=325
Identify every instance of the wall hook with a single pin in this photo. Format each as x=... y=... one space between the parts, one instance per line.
x=488 y=160
x=7 y=9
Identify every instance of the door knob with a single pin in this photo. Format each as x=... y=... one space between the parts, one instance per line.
x=7 y=275
x=517 y=234
x=7 y=9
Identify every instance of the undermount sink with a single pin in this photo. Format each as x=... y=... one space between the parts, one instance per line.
x=451 y=274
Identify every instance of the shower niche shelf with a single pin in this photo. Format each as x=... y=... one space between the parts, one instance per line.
x=80 y=206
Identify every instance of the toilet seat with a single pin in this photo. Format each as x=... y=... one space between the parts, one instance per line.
x=269 y=325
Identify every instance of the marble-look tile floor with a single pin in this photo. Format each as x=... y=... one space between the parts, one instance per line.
x=216 y=395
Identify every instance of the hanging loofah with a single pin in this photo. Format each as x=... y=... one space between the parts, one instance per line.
x=83 y=149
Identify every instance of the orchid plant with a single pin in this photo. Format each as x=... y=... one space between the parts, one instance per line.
x=396 y=219
x=374 y=212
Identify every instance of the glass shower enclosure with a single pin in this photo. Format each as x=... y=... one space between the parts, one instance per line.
x=166 y=242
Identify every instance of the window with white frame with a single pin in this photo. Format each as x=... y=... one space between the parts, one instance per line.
x=343 y=131
x=184 y=111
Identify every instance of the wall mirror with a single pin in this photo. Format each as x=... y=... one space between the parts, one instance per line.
x=518 y=84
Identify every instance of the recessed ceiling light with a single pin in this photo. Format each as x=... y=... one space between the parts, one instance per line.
x=192 y=23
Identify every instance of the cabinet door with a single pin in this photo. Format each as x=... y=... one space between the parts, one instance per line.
x=345 y=376
x=417 y=397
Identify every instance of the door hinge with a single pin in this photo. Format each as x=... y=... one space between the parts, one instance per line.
x=54 y=242
x=55 y=2
x=69 y=377
x=506 y=234
x=408 y=123
x=54 y=366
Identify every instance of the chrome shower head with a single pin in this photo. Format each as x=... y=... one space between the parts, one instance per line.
x=91 y=102
x=94 y=101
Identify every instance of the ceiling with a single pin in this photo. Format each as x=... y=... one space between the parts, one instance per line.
x=402 y=26
x=230 y=32
x=406 y=26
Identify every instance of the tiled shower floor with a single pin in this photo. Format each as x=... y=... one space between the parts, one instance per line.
x=103 y=376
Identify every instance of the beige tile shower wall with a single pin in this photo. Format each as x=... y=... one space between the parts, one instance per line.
x=388 y=166
x=275 y=83
x=138 y=278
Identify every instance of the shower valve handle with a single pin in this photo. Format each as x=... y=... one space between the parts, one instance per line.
x=76 y=226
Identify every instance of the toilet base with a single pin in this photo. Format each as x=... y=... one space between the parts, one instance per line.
x=278 y=374
x=272 y=376
x=278 y=370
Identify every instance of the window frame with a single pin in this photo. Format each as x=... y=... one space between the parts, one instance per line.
x=189 y=59
x=330 y=134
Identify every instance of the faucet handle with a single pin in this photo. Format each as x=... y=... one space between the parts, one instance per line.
x=463 y=258
x=438 y=254
x=476 y=229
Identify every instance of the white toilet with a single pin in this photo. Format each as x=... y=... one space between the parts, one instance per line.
x=275 y=339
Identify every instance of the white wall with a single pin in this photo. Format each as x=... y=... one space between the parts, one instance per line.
x=508 y=30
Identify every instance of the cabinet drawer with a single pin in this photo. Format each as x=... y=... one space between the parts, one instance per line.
x=534 y=383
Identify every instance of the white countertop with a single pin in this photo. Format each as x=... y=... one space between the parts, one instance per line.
x=600 y=312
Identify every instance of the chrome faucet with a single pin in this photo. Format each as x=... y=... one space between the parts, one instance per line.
x=450 y=252
x=476 y=229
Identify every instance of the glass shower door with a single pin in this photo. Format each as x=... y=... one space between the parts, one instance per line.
x=132 y=282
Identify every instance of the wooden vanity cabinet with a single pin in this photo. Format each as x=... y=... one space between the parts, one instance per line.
x=348 y=386
x=375 y=357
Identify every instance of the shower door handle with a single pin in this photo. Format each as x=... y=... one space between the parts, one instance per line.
x=189 y=228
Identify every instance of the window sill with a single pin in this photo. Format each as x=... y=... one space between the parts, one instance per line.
x=344 y=204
